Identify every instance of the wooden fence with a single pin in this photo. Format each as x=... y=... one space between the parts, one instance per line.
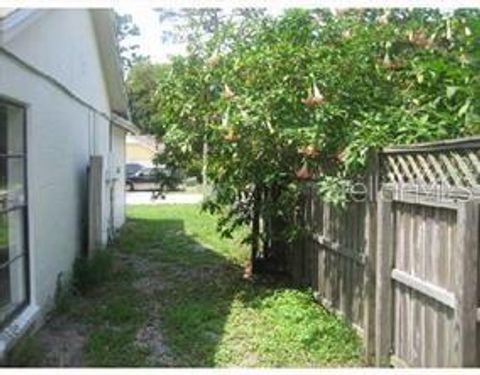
x=402 y=265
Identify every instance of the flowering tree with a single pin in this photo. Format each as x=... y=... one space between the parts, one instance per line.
x=306 y=95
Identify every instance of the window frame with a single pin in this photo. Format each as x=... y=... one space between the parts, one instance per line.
x=24 y=208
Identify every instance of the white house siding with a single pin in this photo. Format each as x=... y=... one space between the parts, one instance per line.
x=62 y=133
x=118 y=168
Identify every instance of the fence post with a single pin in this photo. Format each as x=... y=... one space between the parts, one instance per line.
x=306 y=241
x=466 y=284
x=383 y=302
x=370 y=255
x=299 y=245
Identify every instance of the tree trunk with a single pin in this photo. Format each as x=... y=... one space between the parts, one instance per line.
x=255 y=228
x=275 y=253
x=204 y=167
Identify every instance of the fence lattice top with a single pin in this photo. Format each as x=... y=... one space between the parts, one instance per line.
x=447 y=163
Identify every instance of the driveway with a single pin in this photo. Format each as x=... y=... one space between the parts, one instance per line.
x=145 y=197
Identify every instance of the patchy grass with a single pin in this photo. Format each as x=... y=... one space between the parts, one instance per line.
x=27 y=353
x=177 y=297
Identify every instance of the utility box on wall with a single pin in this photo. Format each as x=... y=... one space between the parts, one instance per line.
x=95 y=203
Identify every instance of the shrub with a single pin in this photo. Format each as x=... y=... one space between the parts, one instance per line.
x=306 y=95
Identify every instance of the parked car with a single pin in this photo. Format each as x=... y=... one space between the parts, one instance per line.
x=132 y=168
x=149 y=179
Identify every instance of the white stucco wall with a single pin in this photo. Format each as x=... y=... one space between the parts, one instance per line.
x=62 y=44
x=57 y=154
x=61 y=135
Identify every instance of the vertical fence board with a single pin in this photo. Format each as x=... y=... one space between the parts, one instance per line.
x=437 y=355
x=465 y=263
x=427 y=271
x=383 y=316
x=369 y=228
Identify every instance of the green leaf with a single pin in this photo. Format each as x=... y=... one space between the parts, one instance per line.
x=451 y=91
x=463 y=110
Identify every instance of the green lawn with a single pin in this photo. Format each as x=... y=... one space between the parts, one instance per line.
x=178 y=297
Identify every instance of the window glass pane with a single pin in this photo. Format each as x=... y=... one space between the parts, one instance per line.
x=12 y=262
x=11 y=129
x=15 y=179
x=12 y=287
x=11 y=182
x=3 y=171
x=12 y=174
x=11 y=235
x=4 y=292
x=3 y=239
x=12 y=194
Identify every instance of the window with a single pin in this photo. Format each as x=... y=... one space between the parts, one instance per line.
x=13 y=209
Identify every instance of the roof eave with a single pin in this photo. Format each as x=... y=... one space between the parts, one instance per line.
x=104 y=25
x=124 y=124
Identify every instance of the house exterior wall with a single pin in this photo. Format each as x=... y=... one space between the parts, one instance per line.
x=62 y=134
x=62 y=44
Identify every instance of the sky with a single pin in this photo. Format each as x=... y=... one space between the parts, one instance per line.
x=150 y=30
x=149 y=40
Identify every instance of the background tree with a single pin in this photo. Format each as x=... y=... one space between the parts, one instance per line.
x=194 y=27
x=124 y=28
x=142 y=82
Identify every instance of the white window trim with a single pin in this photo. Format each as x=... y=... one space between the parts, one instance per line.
x=17 y=328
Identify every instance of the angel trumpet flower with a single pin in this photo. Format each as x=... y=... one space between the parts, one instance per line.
x=231 y=136
x=449 y=30
x=303 y=173
x=227 y=92
x=347 y=34
x=309 y=151
x=213 y=61
x=315 y=98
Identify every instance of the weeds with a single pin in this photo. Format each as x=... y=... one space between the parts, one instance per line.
x=28 y=352
x=89 y=273
x=63 y=295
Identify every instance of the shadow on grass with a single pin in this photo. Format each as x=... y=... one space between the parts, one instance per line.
x=193 y=286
